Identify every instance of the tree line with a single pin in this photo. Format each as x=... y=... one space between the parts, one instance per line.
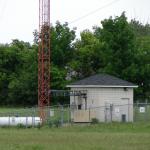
x=117 y=47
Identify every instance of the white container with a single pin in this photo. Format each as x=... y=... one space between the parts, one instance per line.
x=14 y=121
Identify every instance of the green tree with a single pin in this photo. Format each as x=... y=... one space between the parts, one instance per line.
x=141 y=68
x=18 y=74
x=62 y=38
x=126 y=49
x=119 y=45
x=88 y=58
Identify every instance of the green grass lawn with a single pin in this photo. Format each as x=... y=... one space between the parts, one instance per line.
x=113 y=136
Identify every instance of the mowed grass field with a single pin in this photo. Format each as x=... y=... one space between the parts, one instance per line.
x=113 y=136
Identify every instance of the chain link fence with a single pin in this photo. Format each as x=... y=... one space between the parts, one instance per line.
x=141 y=112
x=69 y=114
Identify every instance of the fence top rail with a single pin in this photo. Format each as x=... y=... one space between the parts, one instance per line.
x=36 y=108
x=142 y=103
x=68 y=92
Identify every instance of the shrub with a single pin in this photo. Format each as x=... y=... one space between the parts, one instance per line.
x=29 y=126
x=94 y=121
x=21 y=126
x=5 y=126
x=57 y=123
x=39 y=126
x=50 y=124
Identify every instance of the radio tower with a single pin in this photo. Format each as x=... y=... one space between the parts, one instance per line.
x=44 y=57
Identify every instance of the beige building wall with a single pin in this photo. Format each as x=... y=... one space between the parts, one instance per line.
x=100 y=100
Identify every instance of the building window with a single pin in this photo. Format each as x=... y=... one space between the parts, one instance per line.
x=79 y=107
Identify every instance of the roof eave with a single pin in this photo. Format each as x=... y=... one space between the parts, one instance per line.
x=101 y=86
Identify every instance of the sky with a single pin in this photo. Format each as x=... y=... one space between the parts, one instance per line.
x=19 y=18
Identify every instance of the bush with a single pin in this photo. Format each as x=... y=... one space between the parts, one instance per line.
x=94 y=121
x=29 y=126
x=50 y=124
x=5 y=126
x=39 y=126
x=57 y=123
x=21 y=126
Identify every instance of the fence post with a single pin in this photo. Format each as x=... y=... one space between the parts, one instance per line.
x=145 y=105
x=26 y=122
x=9 y=120
x=33 y=116
x=111 y=109
x=128 y=105
x=68 y=114
x=137 y=111
x=134 y=111
x=62 y=115
x=89 y=114
x=146 y=110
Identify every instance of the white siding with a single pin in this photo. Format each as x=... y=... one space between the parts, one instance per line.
x=100 y=97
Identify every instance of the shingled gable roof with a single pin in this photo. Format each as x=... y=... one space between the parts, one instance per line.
x=102 y=80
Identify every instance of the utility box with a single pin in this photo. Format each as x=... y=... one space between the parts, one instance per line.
x=124 y=118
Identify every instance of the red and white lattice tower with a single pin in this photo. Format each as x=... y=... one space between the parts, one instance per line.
x=44 y=57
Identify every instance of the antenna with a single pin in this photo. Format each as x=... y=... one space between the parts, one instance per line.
x=44 y=57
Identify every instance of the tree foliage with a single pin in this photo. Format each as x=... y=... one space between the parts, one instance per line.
x=119 y=47
x=61 y=44
x=19 y=68
x=88 y=57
